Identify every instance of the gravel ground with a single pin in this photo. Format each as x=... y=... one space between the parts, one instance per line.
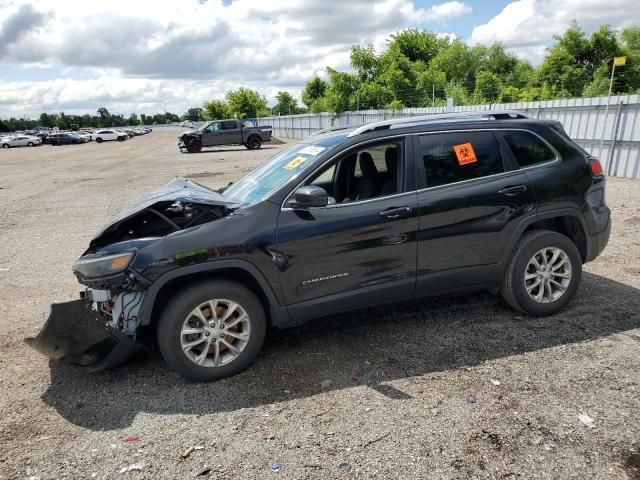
x=382 y=392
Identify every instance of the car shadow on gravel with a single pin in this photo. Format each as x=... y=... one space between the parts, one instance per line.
x=368 y=347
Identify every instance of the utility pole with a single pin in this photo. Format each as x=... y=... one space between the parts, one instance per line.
x=617 y=61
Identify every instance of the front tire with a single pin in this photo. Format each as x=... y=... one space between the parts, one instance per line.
x=98 y=140
x=543 y=274
x=30 y=144
x=5 y=145
x=211 y=330
x=121 y=139
x=194 y=146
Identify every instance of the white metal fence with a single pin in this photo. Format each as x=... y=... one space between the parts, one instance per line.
x=586 y=120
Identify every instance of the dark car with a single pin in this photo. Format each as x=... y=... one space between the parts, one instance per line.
x=63 y=139
x=345 y=219
x=224 y=132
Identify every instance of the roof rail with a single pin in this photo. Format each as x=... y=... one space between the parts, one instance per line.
x=486 y=114
x=331 y=129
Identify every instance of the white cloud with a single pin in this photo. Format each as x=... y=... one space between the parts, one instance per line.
x=150 y=54
x=445 y=11
x=526 y=27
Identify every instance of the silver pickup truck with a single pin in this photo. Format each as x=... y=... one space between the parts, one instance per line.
x=224 y=132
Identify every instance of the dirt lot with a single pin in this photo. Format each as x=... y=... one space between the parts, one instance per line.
x=395 y=379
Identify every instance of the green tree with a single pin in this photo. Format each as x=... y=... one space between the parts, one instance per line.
x=215 y=110
x=285 y=104
x=340 y=89
x=417 y=45
x=313 y=91
x=194 y=114
x=133 y=120
x=246 y=103
x=488 y=87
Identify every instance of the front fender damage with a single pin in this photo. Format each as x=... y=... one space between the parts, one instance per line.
x=76 y=333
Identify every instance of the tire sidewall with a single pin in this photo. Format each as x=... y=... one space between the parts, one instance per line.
x=98 y=140
x=550 y=239
x=173 y=316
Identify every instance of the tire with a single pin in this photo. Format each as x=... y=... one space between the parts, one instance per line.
x=194 y=146
x=253 y=142
x=121 y=139
x=98 y=140
x=178 y=312
x=5 y=145
x=30 y=144
x=542 y=244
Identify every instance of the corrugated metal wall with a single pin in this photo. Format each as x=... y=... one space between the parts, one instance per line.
x=584 y=119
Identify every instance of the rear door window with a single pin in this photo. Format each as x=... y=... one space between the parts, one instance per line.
x=459 y=156
x=527 y=148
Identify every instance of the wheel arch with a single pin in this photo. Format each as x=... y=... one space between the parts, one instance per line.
x=568 y=222
x=245 y=273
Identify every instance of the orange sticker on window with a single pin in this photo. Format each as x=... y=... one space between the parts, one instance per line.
x=465 y=153
x=296 y=162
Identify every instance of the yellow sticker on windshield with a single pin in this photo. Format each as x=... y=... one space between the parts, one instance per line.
x=296 y=162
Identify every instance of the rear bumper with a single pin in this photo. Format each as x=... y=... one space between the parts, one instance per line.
x=76 y=333
x=598 y=241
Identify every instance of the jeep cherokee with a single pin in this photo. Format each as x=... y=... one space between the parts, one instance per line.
x=346 y=218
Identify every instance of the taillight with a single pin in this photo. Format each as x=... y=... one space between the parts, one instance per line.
x=596 y=167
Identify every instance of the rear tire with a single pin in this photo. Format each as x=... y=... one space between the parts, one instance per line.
x=198 y=361
x=5 y=145
x=254 y=143
x=194 y=146
x=98 y=140
x=543 y=274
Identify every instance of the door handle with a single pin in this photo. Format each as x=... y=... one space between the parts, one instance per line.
x=396 y=212
x=511 y=191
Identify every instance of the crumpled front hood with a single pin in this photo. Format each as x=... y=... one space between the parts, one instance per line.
x=177 y=190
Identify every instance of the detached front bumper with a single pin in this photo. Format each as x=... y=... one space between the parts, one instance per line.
x=76 y=333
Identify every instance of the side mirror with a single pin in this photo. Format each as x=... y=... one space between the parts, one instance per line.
x=309 y=196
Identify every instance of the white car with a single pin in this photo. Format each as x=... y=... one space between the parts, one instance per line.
x=106 y=135
x=21 y=141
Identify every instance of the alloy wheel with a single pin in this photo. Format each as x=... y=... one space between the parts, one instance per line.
x=548 y=275
x=215 y=333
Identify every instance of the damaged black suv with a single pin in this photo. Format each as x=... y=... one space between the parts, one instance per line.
x=347 y=218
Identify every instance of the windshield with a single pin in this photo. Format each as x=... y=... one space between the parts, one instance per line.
x=203 y=126
x=272 y=174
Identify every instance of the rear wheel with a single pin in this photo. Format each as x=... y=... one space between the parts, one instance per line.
x=254 y=143
x=543 y=274
x=5 y=145
x=211 y=330
x=194 y=146
x=98 y=140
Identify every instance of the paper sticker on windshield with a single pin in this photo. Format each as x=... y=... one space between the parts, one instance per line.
x=312 y=150
x=296 y=162
x=465 y=153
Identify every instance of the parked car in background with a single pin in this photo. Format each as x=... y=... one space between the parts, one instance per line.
x=21 y=141
x=81 y=135
x=107 y=135
x=63 y=139
x=224 y=132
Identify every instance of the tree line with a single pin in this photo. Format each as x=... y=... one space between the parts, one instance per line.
x=419 y=68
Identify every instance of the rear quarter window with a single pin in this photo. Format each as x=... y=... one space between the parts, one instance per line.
x=528 y=149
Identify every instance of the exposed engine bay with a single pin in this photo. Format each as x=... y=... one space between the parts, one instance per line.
x=158 y=220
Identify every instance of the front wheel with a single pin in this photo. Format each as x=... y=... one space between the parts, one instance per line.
x=5 y=145
x=30 y=144
x=254 y=143
x=98 y=140
x=194 y=146
x=543 y=274
x=211 y=330
x=121 y=139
